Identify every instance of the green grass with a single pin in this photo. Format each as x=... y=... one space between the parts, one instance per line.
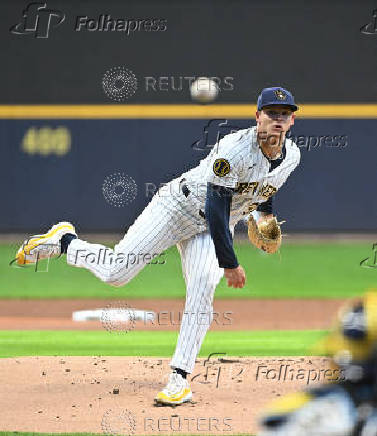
x=158 y=343
x=299 y=271
x=21 y=433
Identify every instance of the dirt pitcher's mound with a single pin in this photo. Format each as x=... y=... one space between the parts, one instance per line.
x=114 y=395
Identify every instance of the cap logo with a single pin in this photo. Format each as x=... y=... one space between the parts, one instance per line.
x=280 y=94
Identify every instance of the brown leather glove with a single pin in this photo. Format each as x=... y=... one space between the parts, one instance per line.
x=266 y=235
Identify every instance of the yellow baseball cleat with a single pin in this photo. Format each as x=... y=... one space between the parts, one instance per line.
x=177 y=391
x=43 y=246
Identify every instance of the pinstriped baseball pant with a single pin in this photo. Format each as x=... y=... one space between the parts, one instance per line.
x=160 y=226
x=202 y=273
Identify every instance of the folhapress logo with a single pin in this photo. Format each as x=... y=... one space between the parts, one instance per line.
x=38 y=20
x=370 y=28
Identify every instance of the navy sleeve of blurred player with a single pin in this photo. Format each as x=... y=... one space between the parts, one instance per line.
x=217 y=211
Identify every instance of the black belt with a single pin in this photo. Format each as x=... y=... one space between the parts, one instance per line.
x=186 y=192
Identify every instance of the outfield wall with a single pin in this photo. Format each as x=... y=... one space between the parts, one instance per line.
x=59 y=54
x=55 y=169
x=315 y=48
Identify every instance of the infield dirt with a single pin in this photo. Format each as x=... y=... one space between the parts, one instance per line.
x=114 y=395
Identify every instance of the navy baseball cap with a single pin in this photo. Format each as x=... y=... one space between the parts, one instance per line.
x=276 y=95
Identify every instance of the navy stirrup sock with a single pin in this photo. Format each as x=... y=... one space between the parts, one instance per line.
x=181 y=371
x=65 y=241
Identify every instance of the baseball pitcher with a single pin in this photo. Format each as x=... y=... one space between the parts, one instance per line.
x=197 y=211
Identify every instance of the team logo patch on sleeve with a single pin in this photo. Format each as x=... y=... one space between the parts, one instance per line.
x=221 y=167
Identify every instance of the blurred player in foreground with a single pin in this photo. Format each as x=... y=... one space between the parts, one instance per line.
x=344 y=408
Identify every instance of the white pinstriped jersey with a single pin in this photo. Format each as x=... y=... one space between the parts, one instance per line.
x=173 y=217
x=241 y=165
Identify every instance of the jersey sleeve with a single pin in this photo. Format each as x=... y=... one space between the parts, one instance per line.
x=226 y=163
x=217 y=211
